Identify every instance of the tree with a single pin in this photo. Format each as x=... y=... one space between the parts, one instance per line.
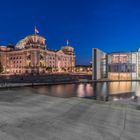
x=1 y=67
x=63 y=69
x=49 y=69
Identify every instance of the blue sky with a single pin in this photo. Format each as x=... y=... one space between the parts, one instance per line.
x=111 y=25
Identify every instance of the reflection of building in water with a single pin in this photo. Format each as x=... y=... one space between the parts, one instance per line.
x=119 y=87
x=81 y=90
x=31 y=55
x=119 y=65
x=100 y=91
x=85 y=90
x=136 y=88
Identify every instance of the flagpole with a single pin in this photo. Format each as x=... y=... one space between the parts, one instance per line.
x=67 y=42
x=34 y=30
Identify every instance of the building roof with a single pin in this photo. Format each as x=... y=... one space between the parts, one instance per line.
x=31 y=41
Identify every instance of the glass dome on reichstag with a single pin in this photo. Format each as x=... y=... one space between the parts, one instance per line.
x=31 y=41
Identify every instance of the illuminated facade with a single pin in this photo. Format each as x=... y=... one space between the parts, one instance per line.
x=31 y=55
x=120 y=65
x=85 y=69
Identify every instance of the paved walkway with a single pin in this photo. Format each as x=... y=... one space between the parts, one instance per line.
x=26 y=116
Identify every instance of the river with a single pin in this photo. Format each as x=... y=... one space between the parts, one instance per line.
x=100 y=91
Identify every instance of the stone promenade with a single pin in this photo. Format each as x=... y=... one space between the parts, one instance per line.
x=26 y=115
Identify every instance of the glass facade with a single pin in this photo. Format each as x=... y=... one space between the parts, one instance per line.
x=118 y=65
x=122 y=66
x=122 y=63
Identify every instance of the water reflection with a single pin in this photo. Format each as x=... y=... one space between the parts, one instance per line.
x=84 y=90
x=100 y=91
x=119 y=87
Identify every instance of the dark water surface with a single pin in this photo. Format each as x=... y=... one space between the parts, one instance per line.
x=102 y=91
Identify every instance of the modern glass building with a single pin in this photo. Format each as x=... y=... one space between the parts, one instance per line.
x=118 y=65
x=122 y=66
x=99 y=59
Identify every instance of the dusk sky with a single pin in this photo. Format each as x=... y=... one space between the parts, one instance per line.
x=111 y=25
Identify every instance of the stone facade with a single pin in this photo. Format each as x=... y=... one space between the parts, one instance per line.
x=30 y=55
